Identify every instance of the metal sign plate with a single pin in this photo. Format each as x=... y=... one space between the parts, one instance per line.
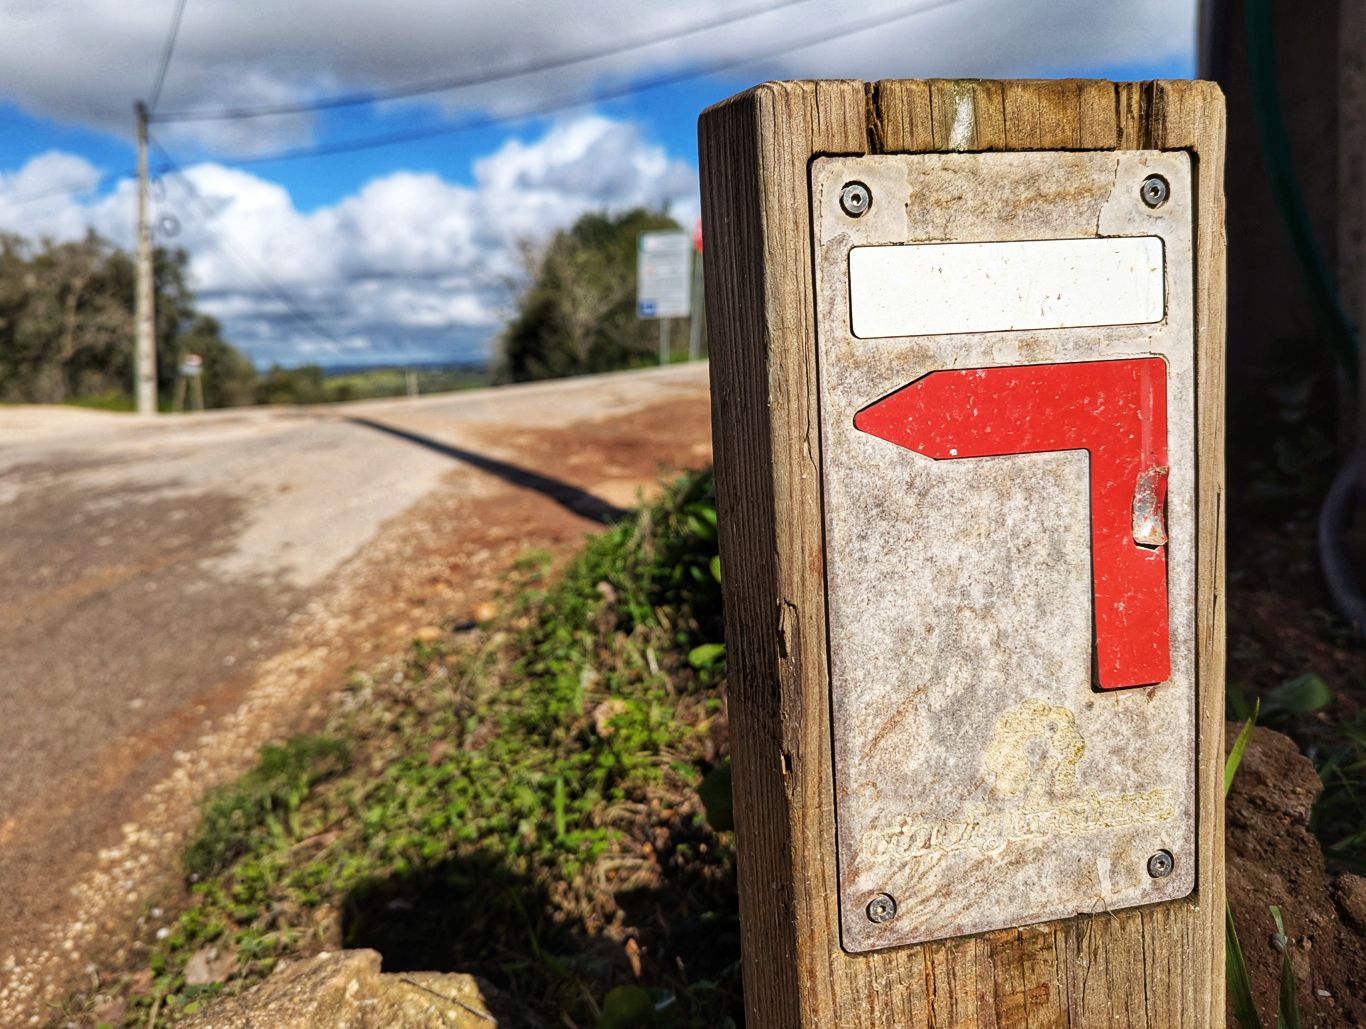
x=664 y=275
x=1008 y=454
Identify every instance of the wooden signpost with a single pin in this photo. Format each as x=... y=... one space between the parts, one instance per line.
x=967 y=382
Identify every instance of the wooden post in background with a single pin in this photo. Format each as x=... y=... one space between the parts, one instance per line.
x=1159 y=965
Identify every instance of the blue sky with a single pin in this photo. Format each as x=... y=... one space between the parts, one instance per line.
x=413 y=251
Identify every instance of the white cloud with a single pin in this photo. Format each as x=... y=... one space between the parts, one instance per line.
x=411 y=263
x=36 y=199
x=86 y=61
x=412 y=259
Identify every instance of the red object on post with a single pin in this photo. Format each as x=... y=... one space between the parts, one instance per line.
x=1114 y=410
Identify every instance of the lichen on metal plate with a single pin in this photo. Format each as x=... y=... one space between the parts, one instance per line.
x=983 y=779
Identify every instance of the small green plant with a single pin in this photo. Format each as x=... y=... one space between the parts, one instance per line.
x=263 y=804
x=1235 y=754
x=1339 y=818
x=1283 y=706
x=1239 y=981
x=715 y=791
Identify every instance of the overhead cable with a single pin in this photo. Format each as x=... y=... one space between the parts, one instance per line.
x=296 y=311
x=847 y=28
x=484 y=78
x=166 y=51
x=66 y=191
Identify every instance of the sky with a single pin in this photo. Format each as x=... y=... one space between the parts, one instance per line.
x=413 y=251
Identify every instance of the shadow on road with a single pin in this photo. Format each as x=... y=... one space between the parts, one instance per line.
x=567 y=495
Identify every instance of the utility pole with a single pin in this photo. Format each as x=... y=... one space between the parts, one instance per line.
x=144 y=316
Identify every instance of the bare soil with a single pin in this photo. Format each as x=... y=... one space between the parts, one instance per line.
x=1281 y=626
x=1272 y=858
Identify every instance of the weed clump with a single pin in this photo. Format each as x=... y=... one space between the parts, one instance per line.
x=262 y=808
x=520 y=802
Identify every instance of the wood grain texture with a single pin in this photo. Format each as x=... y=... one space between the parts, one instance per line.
x=1159 y=966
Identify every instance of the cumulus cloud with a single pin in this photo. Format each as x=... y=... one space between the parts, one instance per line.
x=410 y=265
x=86 y=61
x=413 y=261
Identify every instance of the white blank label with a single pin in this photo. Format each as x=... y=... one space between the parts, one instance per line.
x=931 y=289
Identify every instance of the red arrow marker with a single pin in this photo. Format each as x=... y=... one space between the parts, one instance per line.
x=1114 y=410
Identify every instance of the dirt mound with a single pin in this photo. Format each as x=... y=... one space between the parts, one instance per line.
x=1272 y=858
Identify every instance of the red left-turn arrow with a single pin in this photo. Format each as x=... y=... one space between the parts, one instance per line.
x=1114 y=410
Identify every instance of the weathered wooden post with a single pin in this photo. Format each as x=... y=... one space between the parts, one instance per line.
x=967 y=394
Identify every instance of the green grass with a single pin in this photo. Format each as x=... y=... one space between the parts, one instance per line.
x=1339 y=818
x=521 y=802
x=393 y=382
x=112 y=401
x=261 y=809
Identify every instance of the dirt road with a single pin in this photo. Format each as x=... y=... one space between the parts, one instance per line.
x=174 y=592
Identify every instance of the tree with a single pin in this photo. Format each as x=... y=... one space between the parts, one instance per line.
x=63 y=318
x=66 y=323
x=302 y=385
x=578 y=314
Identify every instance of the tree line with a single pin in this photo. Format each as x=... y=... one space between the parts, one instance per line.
x=67 y=309
x=66 y=325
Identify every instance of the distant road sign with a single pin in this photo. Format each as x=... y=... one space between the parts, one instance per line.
x=664 y=275
x=192 y=366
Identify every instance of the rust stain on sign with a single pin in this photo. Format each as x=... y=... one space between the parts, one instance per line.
x=1150 y=499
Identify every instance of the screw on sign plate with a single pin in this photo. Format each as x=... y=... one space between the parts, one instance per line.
x=855 y=199
x=1114 y=410
x=1154 y=191
x=881 y=908
x=1160 y=865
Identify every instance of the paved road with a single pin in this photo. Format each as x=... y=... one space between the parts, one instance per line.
x=148 y=569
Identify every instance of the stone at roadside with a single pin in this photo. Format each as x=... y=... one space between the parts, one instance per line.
x=110 y=1011
x=209 y=965
x=346 y=990
x=1350 y=893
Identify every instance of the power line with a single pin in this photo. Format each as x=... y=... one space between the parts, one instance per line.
x=479 y=78
x=166 y=51
x=65 y=191
x=847 y=28
x=301 y=315
x=470 y=124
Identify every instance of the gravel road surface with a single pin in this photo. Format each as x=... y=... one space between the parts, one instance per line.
x=172 y=589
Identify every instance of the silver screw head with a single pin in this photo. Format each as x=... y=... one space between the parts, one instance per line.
x=1154 y=191
x=1160 y=864
x=881 y=908
x=855 y=199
